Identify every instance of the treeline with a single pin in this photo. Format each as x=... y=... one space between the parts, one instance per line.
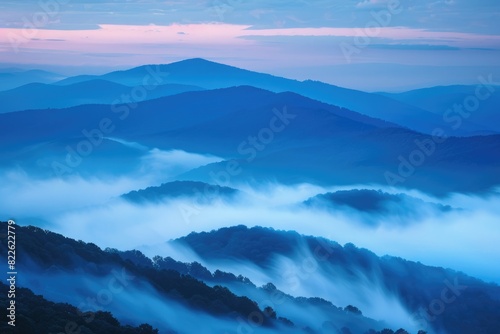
x=34 y=314
x=52 y=251
x=172 y=280
x=469 y=305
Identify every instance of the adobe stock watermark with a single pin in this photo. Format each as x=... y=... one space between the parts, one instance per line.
x=449 y=294
x=248 y=150
x=454 y=117
x=364 y=36
x=87 y=309
x=120 y=107
x=221 y=7
x=49 y=10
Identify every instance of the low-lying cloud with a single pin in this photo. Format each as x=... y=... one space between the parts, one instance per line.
x=91 y=210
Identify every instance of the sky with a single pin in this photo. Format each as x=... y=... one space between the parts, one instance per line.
x=371 y=45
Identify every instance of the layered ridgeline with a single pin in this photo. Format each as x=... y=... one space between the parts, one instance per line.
x=43 y=96
x=477 y=104
x=411 y=294
x=93 y=290
x=259 y=135
x=121 y=291
x=11 y=78
x=152 y=81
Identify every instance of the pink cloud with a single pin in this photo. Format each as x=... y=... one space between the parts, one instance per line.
x=152 y=43
x=217 y=33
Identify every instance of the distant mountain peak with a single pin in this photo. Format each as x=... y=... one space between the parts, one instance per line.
x=204 y=63
x=198 y=60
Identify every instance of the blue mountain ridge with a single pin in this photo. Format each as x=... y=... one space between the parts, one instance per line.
x=96 y=91
x=67 y=271
x=212 y=75
x=414 y=284
x=314 y=142
x=441 y=100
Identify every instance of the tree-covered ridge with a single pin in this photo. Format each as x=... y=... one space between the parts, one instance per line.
x=439 y=299
x=50 y=251
x=338 y=317
x=194 y=269
x=202 y=192
x=35 y=314
x=372 y=201
x=54 y=253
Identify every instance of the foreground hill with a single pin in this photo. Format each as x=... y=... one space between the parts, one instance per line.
x=38 y=315
x=162 y=292
x=68 y=271
x=372 y=205
x=471 y=306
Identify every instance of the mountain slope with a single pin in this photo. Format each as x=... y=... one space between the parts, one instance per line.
x=12 y=78
x=211 y=75
x=268 y=137
x=442 y=99
x=42 y=96
x=73 y=272
x=38 y=315
x=371 y=205
x=472 y=306
x=68 y=271
x=268 y=296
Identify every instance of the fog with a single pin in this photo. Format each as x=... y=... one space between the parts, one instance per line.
x=51 y=196
x=173 y=162
x=135 y=302
x=464 y=238
x=302 y=275
x=139 y=302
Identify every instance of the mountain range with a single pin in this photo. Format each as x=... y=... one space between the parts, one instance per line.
x=239 y=147
x=44 y=96
x=196 y=73
x=204 y=192
x=479 y=103
x=15 y=77
x=66 y=271
x=283 y=137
